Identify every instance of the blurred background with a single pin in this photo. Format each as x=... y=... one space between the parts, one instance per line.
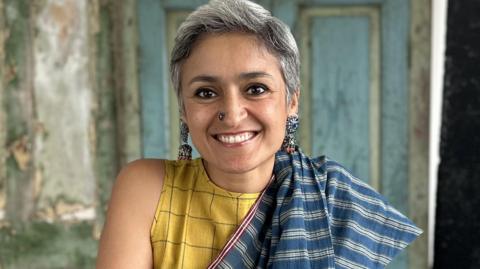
x=390 y=88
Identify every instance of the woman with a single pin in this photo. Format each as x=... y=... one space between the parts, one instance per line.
x=244 y=203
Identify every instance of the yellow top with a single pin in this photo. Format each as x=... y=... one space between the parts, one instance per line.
x=194 y=217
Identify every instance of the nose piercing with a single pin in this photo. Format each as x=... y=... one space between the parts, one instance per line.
x=221 y=115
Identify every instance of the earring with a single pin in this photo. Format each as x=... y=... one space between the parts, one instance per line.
x=185 y=150
x=289 y=142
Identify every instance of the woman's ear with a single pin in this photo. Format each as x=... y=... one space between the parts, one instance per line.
x=293 y=105
x=181 y=113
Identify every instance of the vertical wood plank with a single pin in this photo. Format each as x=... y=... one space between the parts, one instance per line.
x=18 y=104
x=419 y=99
x=106 y=153
x=395 y=21
x=375 y=104
x=303 y=29
x=3 y=131
x=395 y=38
x=125 y=43
x=153 y=78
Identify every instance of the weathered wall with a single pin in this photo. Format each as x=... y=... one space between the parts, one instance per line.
x=63 y=95
x=59 y=138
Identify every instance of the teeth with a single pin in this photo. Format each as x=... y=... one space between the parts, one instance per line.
x=230 y=139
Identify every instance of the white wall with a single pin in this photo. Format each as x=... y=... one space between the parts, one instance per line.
x=439 y=19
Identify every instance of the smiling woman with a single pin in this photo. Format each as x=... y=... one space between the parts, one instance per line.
x=253 y=199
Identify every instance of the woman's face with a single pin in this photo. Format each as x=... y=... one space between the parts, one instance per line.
x=235 y=74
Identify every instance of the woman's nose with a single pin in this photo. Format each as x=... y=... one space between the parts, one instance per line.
x=234 y=110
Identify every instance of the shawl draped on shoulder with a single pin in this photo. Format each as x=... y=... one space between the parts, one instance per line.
x=315 y=214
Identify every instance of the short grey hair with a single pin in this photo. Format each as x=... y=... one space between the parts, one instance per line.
x=224 y=16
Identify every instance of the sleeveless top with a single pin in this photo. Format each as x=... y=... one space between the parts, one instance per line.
x=194 y=217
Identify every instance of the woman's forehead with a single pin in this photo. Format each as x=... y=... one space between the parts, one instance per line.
x=233 y=42
x=230 y=53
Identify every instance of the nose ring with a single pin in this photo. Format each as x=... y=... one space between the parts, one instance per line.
x=221 y=116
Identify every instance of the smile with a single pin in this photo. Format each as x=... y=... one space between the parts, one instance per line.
x=235 y=138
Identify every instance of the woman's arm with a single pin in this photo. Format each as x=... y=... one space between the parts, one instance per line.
x=125 y=240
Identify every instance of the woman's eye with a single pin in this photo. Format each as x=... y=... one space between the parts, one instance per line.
x=205 y=93
x=256 y=90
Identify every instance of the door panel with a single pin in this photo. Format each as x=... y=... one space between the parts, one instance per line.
x=343 y=117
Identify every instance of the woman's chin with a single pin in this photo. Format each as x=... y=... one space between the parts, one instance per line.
x=237 y=165
x=240 y=164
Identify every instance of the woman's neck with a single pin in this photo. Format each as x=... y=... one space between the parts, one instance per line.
x=252 y=181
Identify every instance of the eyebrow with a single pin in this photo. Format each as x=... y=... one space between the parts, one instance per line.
x=203 y=78
x=255 y=74
x=246 y=75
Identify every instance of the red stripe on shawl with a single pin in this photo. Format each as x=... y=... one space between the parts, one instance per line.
x=240 y=230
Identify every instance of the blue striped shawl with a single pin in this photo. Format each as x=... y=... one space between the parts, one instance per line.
x=315 y=214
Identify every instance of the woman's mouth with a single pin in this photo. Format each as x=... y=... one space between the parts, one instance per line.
x=235 y=138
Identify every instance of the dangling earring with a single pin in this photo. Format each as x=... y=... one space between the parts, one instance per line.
x=289 y=143
x=185 y=150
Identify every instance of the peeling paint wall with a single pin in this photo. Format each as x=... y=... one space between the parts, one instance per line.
x=60 y=144
x=63 y=106
x=2 y=117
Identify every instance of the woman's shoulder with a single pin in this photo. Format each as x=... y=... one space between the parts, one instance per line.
x=126 y=235
x=140 y=182
x=148 y=173
x=143 y=168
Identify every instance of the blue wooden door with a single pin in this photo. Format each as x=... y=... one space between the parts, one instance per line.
x=354 y=94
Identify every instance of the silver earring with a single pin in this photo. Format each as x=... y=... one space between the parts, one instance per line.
x=221 y=116
x=289 y=142
x=185 y=150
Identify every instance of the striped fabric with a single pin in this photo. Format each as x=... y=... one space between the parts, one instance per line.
x=315 y=214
